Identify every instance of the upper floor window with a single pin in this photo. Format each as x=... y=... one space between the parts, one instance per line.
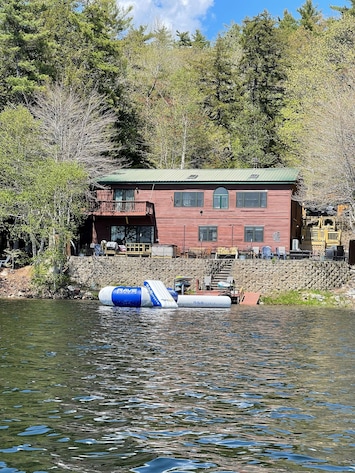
x=123 y=194
x=220 y=198
x=252 y=199
x=124 y=199
x=188 y=199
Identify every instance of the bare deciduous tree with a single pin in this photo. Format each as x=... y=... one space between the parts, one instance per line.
x=330 y=158
x=77 y=129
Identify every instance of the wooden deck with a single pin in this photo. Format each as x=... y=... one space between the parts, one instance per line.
x=242 y=297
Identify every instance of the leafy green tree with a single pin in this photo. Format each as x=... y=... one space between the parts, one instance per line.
x=187 y=130
x=20 y=156
x=55 y=213
x=314 y=61
x=102 y=24
x=134 y=41
x=94 y=28
x=43 y=186
x=339 y=45
x=162 y=36
x=164 y=86
x=148 y=70
x=306 y=77
x=39 y=196
x=20 y=152
x=253 y=138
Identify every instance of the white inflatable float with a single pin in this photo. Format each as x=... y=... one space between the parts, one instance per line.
x=155 y=294
x=194 y=300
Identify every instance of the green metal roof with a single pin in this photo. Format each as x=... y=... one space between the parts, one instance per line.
x=206 y=176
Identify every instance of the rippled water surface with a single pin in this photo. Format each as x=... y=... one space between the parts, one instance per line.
x=87 y=388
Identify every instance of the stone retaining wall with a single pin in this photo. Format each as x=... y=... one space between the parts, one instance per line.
x=268 y=276
x=255 y=275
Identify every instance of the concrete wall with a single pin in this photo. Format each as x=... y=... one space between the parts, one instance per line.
x=256 y=275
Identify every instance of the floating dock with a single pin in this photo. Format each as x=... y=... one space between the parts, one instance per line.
x=250 y=298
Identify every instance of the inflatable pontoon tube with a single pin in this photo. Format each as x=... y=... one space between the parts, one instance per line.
x=220 y=302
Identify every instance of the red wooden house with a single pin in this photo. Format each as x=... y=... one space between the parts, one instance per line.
x=198 y=208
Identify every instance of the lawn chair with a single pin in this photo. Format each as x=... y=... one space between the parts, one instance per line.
x=340 y=253
x=281 y=252
x=256 y=252
x=266 y=252
x=5 y=262
x=208 y=282
x=231 y=282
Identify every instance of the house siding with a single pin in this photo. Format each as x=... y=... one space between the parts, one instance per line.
x=179 y=225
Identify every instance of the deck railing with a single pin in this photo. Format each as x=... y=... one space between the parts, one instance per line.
x=129 y=207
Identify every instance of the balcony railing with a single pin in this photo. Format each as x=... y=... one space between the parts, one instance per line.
x=122 y=207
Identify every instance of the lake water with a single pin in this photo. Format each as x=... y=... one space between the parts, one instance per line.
x=88 y=388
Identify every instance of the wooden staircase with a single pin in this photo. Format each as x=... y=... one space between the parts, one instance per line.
x=222 y=272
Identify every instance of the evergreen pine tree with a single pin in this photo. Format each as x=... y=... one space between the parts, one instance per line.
x=263 y=74
x=23 y=50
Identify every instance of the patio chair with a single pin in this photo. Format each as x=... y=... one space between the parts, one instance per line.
x=256 y=252
x=6 y=261
x=231 y=282
x=281 y=252
x=207 y=282
x=266 y=252
x=340 y=253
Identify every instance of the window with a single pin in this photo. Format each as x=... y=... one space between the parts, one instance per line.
x=251 y=199
x=220 y=198
x=124 y=199
x=132 y=234
x=254 y=234
x=207 y=233
x=188 y=199
x=124 y=194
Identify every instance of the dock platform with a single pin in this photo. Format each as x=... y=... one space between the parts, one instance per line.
x=238 y=297
x=250 y=298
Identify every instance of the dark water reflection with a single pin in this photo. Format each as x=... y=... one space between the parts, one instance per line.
x=88 y=388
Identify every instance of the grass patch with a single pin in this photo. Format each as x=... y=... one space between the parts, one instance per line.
x=306 y=298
